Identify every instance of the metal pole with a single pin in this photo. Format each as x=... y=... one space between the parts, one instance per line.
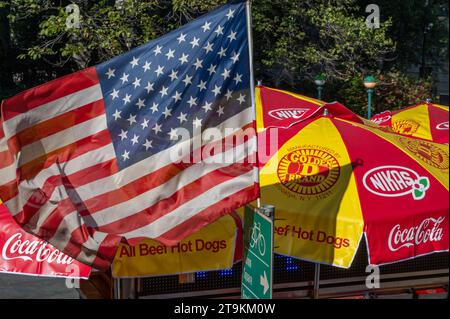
x=252 y=77
x=369 y=103
x=117 y=289
x=319 y=92
x=316 y=280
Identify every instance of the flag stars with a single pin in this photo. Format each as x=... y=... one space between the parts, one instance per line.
x=124 y=78
x=241 y=98
x=208 y=47
x=134 y=62
x=135 y=139
x=187 y=80
x=173 y=134
x=225 y=74
x=207 y=106
x=192 y=101
x=146 y=66
x=194 y=42
x=181 y=38
x=222 y=52
x=157 y=128
x=206 y=26
x=197 y=122
x=167 y=112
x=132 y=119
x=183 y=59
x=230 y=14
x=232 y=36
x=228 y=94
x=110 y=73
x=159 y=70
x=177 y=96
x=117 y=115
x=198 y=64
x=140 y=103
x=169 y=54
x=115 y=94
x=202 y=85
x=149 y=87
x=173 y=76
x=182 y=118
x=154 y=107
x=137 y=82
x=126 y=155
x=238 y=78
x=144 y=123
x=219 y=30
x=163 y=91
x=216 y=90
x=126 y=99
x=220 y=111
x=157 y=50
x=148 y=144
x=123 y=135
x=212 y=69
x=235 y=57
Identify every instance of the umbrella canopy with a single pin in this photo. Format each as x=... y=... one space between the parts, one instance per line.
x=334 y=180
x=278 y=108
x=426 y=120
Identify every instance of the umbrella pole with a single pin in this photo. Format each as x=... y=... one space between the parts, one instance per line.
x=316 y=280
x=117 y=289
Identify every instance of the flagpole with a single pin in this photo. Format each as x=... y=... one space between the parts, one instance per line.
x=252 y=78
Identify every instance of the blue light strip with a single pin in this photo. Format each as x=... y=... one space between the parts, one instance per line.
x=226 y=272
x=200 y=275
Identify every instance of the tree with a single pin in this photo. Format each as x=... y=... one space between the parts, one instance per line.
x=293 y=40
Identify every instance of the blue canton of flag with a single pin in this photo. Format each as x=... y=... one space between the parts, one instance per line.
x=194 y=78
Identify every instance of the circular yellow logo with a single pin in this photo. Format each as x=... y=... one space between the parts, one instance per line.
x=427 y=152
x=308 y=171
x=405 y=127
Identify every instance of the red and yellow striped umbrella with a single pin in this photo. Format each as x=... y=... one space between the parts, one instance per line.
x=426 y=120
x=333 y=180
x=278 y=108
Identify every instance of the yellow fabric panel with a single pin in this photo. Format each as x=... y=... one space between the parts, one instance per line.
x=259 y=111
x=414 y=121
x=211 y=248
x=311 y=183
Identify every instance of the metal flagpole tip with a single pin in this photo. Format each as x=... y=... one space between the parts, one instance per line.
x=259 y=83
x=326 y=112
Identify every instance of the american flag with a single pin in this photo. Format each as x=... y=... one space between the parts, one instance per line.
x=89 y=159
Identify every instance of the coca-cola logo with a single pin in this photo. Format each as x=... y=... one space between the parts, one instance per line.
x=395 y=181
x=381 y=119
x=286 y=114
x=429 y=230
x=17 y=248
x=442 y=126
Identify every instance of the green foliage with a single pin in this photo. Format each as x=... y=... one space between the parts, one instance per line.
x=305 y=38
x=293 y=41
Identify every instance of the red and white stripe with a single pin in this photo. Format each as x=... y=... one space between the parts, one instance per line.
x=60 y=180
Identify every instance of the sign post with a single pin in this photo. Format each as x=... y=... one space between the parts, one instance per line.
x=258 y=253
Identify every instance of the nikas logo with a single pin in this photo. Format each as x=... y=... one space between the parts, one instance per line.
x=285 y=114
x=396 y=181
x=442 y=126
x=381 y=120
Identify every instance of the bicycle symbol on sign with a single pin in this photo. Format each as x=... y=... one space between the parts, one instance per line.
x=257 y=239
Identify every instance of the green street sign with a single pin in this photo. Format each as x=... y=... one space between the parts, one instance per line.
x=258 y=255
